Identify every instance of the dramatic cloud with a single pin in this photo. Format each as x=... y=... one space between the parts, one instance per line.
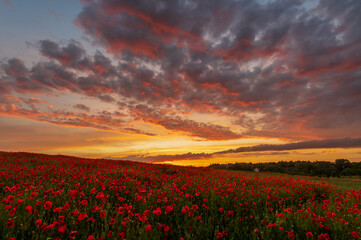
x=209 y=70
x=30 y=109
x=201 y=130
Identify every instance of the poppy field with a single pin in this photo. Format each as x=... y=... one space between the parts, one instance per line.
x=61 y=197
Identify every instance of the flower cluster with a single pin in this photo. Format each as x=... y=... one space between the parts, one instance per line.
x=60 y=197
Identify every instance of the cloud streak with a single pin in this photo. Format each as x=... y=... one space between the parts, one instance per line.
x=325 y=143
x=261 y=149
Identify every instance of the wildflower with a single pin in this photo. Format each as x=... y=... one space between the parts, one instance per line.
x=148 y=228
x=61 y=229
x=57 y=210
x=324 y=236
x=72 y=234
x=29 y=209
x=82 y=216
x=157 y=212
x=95 y=209
x=38 y=222
x=168 y=209
x=102 y=214
x=291 y=234
x=10 y=223
x=185 y=209
x=66 y=207
x=355 y=234
x=48 y=205
x=12 y=212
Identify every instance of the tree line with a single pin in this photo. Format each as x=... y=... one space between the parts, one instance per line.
x=341 y=167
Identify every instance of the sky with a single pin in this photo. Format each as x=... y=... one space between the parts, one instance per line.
x=186 y=82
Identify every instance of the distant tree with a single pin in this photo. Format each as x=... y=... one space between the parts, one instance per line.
x=349 y=172
x=318 y=168
x=303 y=167
x=342 y=164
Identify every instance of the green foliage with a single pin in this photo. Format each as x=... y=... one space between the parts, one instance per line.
x=319 y=168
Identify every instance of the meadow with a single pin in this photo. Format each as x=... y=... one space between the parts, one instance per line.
x=61 y=197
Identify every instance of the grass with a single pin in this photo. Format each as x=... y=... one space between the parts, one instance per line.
x=342 y=183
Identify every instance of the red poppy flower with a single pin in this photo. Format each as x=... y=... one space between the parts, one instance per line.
x=10 y=223
x=102 y=214
x=38 y=222
x=61 y=229
x=29 y=209
x=148 y=228
x=168 y=209
x=72 y=234
x=291 y=234
x=66 y=207
x=355 y=234
x=324 y=236
x=48 y=205
x=309 y=234
x=82 y=216
x=95 y=209
x=185 y=209
x=12 y=212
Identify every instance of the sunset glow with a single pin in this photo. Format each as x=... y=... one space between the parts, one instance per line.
x=190 y=82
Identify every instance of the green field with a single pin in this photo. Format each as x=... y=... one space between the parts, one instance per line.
x=342 y=183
